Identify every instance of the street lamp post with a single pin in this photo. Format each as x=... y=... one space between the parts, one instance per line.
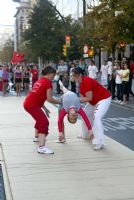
x=84 y=8
x=64 y=22
x=54 y=7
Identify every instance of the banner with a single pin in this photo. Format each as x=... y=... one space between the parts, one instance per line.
x=17 y=58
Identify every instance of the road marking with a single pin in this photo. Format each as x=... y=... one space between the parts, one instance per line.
x=120 y=123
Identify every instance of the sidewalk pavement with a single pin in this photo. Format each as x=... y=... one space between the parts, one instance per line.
x=74 y=172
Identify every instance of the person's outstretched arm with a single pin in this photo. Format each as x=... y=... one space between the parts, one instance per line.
x=62 y=114
x=50 y=98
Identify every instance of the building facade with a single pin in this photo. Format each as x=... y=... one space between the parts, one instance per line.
x=6 y=33
x=21 y=21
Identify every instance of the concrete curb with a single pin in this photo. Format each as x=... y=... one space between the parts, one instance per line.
x=7 y=186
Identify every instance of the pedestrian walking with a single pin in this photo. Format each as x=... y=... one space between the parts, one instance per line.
x=34 y=103
x=98 y=100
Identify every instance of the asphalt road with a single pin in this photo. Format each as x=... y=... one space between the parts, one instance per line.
x=119 y=125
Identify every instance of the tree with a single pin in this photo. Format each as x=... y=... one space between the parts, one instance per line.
x=46 y=34
x=7 y=51
x=109 y=23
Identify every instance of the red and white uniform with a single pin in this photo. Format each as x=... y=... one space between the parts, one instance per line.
x=34 y=102
x=96 y=108
x=71 y=100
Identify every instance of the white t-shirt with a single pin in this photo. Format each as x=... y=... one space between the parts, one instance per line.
x=92 y=71
x=118 y=79
x=110 y=68
x=104 y=71
x=62 y=69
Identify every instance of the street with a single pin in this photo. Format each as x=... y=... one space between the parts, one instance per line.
x=119 y=125
x=75 y=171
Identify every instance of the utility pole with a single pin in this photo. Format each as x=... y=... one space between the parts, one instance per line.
x=84 y=8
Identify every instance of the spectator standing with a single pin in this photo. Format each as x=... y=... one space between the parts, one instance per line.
x=1 y=74
x=72 y=81
x=18 y=77
x=82 y=65
x=104 y=74
x=131 y=78
x=92 y=70
x=61 y=71
x=5 y=79
x=35 y=74
x=118 y=81
x=65 y=80
x=26 y=79
x=125 y=82
x=112 y=81
x=110 y=68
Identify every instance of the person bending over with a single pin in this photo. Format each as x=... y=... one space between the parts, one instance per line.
x=71 y=107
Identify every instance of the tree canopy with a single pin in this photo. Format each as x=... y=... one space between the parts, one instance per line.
x=6 y=52
x=109 y=23
x=46 y=34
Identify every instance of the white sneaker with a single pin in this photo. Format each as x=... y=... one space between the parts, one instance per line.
x=98 y=147
x=61 y=141
x=45 y=150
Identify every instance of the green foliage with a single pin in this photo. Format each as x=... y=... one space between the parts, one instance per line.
x=109 y=23
x=46 y=33
x=7 y=51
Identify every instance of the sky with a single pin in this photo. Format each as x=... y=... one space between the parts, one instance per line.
x=7 y=12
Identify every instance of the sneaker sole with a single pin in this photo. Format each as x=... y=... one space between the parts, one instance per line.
x=64 y=141
x=45 y=153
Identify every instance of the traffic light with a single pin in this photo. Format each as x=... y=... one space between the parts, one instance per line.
x=122 y=45
x=68 y=40
x=64 y=50
x=91 y=52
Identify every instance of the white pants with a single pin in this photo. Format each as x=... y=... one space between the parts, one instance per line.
x=95 y=115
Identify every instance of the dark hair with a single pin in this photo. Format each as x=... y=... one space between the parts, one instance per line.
x=48 y=70
x=77 y=71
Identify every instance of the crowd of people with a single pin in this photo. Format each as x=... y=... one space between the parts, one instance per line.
x=117 y=77
x=17 y=78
